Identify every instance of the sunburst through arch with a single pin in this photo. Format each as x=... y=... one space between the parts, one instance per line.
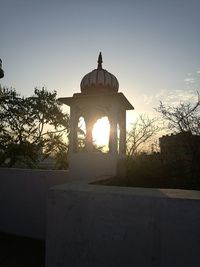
x=101 y=133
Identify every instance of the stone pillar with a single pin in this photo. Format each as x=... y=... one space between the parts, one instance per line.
x=122 y=126
x=113 y=131
x=73 y=130
x=89 y=127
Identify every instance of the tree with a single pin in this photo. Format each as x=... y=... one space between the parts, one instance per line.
x=185 y=120
x=141 y=132
x=184 y=117
x=31 y=128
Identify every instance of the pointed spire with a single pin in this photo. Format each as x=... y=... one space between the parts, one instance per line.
x=100 y=61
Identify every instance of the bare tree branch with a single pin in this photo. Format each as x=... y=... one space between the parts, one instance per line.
x=184 y=117
x=142 y=131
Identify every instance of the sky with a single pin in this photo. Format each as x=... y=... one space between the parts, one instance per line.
x=151 y=46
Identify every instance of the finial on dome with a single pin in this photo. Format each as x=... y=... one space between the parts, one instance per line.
x=100 y=61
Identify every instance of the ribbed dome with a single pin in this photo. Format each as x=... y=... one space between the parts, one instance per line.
x=99 y=81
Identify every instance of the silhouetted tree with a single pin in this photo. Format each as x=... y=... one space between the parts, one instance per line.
x=185 y=117
x=141 y=132
x=31 y=128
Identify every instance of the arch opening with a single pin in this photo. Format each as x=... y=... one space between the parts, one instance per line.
x=100 y=134
x=81 y=134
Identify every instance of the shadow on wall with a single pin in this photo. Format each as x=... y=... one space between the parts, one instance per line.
x=23 y=200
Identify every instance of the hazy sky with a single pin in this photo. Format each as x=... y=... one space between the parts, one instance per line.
x=152 y=47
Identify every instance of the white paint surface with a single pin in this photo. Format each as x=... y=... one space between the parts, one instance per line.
x=97 y=226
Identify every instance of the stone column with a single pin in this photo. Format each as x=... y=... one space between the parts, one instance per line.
x=122 y=126
x=73 y=130
x=89 y=127
x=113 y=130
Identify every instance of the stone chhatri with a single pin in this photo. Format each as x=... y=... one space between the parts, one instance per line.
x=99 y=97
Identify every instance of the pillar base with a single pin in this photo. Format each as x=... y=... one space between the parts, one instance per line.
x=90 y=165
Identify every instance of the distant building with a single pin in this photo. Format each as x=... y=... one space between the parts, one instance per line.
x=182 y=149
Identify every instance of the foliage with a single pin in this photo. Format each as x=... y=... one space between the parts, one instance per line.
x=31 y=128
x=184 y=117
x=142 y=131
x=149 y=171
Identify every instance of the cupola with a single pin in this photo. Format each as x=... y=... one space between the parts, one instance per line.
x=99 y=98
x=99 y=81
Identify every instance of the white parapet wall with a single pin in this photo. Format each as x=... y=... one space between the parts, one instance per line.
x=23 y=198
x=91 y=225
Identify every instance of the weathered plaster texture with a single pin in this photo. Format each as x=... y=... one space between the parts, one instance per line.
x=92 y=225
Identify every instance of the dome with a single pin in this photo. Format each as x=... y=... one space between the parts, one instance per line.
x=99 y=81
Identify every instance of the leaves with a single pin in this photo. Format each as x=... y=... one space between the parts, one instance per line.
x=31 y=128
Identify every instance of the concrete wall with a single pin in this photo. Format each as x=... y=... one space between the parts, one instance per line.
x=92 y=225
x=23 y=195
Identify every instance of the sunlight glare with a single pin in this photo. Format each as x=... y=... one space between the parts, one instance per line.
x=100 y=132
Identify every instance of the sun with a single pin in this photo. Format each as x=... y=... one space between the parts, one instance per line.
x=100 y=132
